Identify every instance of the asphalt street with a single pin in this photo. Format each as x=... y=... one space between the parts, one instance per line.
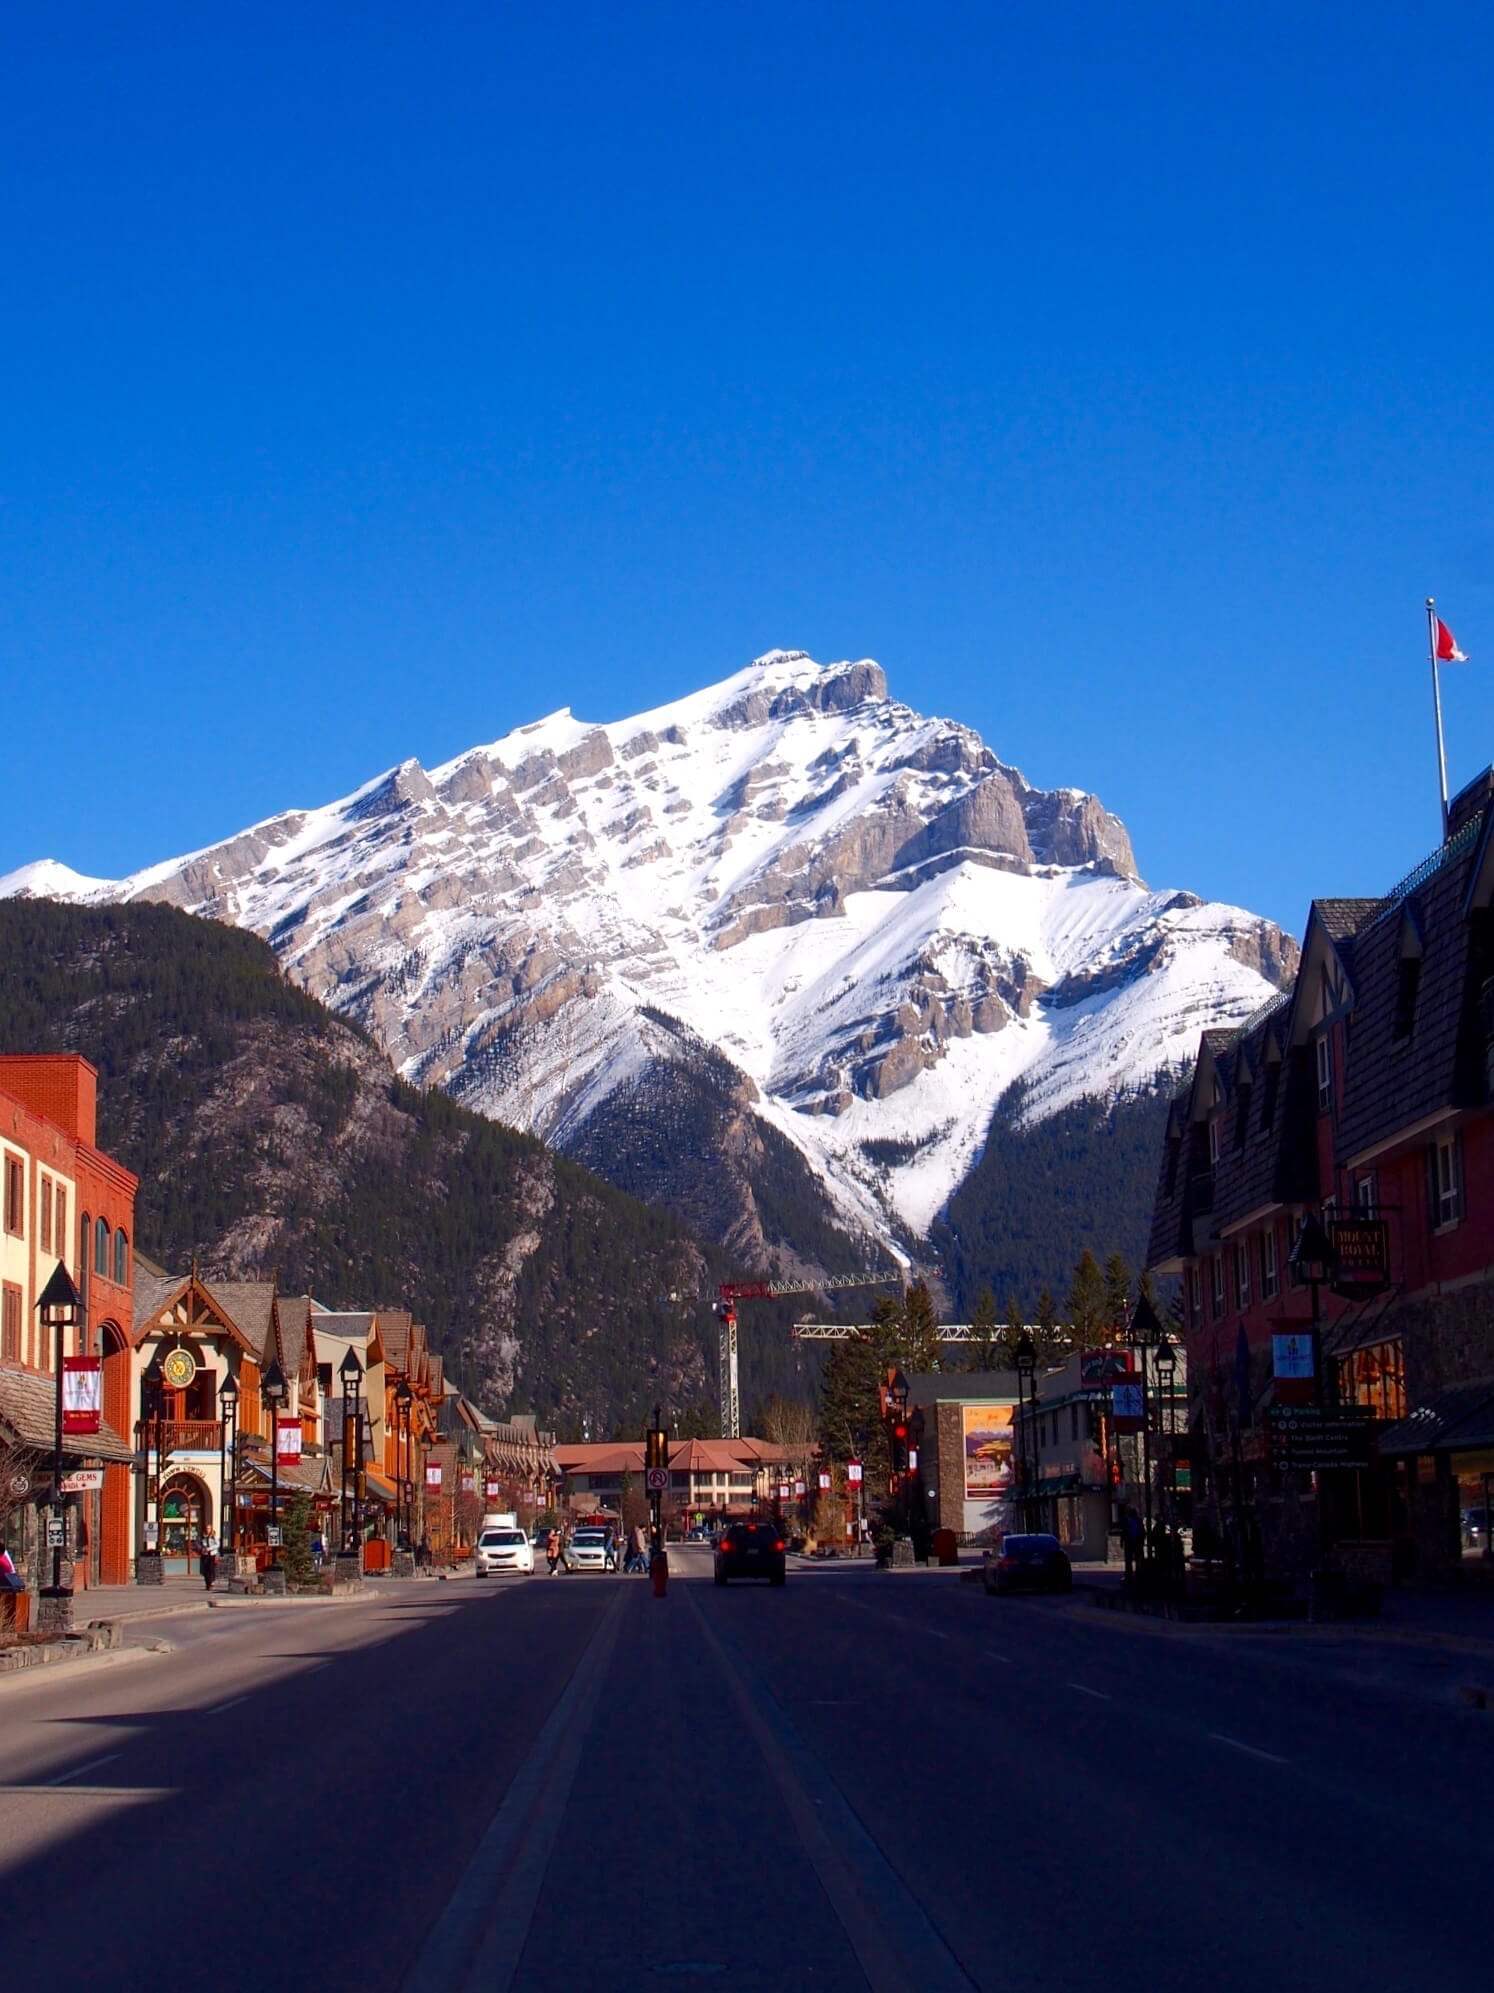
x=864 y=1779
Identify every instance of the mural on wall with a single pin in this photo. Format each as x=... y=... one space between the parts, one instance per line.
x=988 y=1452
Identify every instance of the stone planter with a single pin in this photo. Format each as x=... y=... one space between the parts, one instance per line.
x=54 y=1611
x=272 y=1581
x=403 y=1564
x=149 y=1568
x=347 y=1572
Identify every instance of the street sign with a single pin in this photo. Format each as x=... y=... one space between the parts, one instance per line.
x=272 y=1536
x=657 y=1480
x=1316 y=1439
x=853 y=1473
x=82 y=1479
x=152 y=1535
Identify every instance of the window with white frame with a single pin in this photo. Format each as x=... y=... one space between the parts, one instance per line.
x=1213 y=1140
x=1216 y=1273
x=1447 y=1181
x=1367 y=1193
x=1270 y=1276
x=1242 y=1275
x=1195 y=1295
x=1323 y=1053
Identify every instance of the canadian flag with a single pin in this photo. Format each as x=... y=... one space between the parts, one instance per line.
x=1447 y=645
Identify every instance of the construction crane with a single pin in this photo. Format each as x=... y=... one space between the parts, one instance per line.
x=733 y=1291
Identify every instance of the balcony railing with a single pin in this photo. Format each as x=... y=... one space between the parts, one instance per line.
x=189 y=1435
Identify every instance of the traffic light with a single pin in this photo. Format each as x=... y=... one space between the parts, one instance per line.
x=899 y=1437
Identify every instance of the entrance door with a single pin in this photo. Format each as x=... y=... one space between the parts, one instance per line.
x=183 y=1520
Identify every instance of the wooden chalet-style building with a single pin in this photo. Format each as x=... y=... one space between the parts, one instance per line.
x=1364 y=1097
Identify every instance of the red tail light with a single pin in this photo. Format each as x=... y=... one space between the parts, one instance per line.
x=779 y=1544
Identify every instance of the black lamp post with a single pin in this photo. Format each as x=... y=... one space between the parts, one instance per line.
x=403 y=1398
x=275 y=1391
x=153 y=1383
x=228 y=1461
x=1311 y=1260
x=350 y=1370
x=1024 y=1356
x=59 y=1307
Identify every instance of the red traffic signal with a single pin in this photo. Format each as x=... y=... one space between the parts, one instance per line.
x=900 y=1430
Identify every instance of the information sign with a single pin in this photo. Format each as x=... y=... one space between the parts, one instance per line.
x=55 y=1536
x=1316 y=1439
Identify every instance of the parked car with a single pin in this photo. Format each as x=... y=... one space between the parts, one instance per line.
x=502 y=1550
x=1027 y=1564
x=588 y=1550
x=751 y=1550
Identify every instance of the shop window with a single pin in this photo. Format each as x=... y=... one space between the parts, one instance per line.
x=1270 y=1274
x=15 y=1196
x=1376 y=1379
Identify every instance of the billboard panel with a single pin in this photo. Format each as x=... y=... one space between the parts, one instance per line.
x=988 y=1451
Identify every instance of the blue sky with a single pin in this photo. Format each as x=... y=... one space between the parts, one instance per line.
x=379 y=378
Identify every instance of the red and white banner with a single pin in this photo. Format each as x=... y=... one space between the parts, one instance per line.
x=433 y=1474
x=82 y=1395
x=468 y=1484
x=853 y=1472
x=493 y=1487
x=824 y=1478
x=287 y=1442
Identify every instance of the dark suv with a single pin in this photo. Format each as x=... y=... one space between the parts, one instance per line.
x=751 y=1550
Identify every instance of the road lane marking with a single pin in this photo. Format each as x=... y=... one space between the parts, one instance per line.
x=896 y=1945
x=492 y=1906
x=54 y=1791
x=66 y=1778
x=992 y=1655
x=222 y=1708
x=934 y=1633
x=1250 y=1750
x=1098 y=1694
x=859 y=1604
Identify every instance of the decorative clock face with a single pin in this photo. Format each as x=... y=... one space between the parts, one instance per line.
x=179 y=1367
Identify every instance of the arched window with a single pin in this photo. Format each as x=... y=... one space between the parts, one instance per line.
x=101 y=1247
x=85 y=1253
x=121 y=1258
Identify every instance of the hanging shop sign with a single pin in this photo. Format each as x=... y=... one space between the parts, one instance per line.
x=82 y=1395
x=1128 y=1407
x=1361 y=1256
x=1105 y=1366
x=179 y=1368
x=82 y=1480
x=287 y=1442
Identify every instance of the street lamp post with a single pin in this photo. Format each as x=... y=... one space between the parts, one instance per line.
x=228 y=1462
x=275 y=1391
x=350 y=1370
x=59 y=1307
x=403 y=1397
x=1025 y=1358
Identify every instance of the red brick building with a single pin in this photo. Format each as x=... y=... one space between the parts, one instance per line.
x=64 y=1199
x=1364 y=1094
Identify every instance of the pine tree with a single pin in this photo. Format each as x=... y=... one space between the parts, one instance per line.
x=295 y=1541
x=984 y=1343
x=917 y=1346
x=1117 y=1291
x=1016 y=1327
x=1087 y=1298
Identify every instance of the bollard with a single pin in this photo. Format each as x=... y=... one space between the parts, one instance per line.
x=658 y=1570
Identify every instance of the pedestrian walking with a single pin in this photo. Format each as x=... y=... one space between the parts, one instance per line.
x=1131 y=1542
x=552 y=1551
x=207 y=1560
x=609 y=1551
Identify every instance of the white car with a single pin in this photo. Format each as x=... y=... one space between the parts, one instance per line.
x=587 y=1550
x=502 y=1550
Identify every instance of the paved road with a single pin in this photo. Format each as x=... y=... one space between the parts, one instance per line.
x=861 y=1780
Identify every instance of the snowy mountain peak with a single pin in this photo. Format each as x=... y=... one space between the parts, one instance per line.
x=879 y=923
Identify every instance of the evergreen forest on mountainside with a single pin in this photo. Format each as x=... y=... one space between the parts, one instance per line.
x=271 y=1136
x=1039 y=1195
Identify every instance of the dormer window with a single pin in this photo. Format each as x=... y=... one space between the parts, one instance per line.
x=1242 y=1114
x=1268 y=1091
x=1213 y=1140
x=1408 y=981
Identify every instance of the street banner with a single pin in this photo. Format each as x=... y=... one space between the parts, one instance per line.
x=783 y=1491
x=433 y=1474
x=492 y=1488
x=824 y=1479
x=287 y=1442
x=853 y=1473
x=988 y=1451
x=468 y=1484
x=82 y=1395
x=798 y=1491
x=1294 y=1370
x=1128 y=1407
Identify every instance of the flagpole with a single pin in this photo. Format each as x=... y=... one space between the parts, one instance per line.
x=1437 y=709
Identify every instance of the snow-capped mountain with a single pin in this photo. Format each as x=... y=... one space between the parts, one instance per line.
x=879 y=924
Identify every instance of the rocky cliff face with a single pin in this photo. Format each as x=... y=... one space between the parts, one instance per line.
x=874 y=922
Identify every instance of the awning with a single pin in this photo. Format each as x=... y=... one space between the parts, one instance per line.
x=28 y=1412
x=1459 y=1416
x=380 y=1488
x=1372 y=1322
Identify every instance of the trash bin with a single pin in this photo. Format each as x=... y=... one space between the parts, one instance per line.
x=944 y=1546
